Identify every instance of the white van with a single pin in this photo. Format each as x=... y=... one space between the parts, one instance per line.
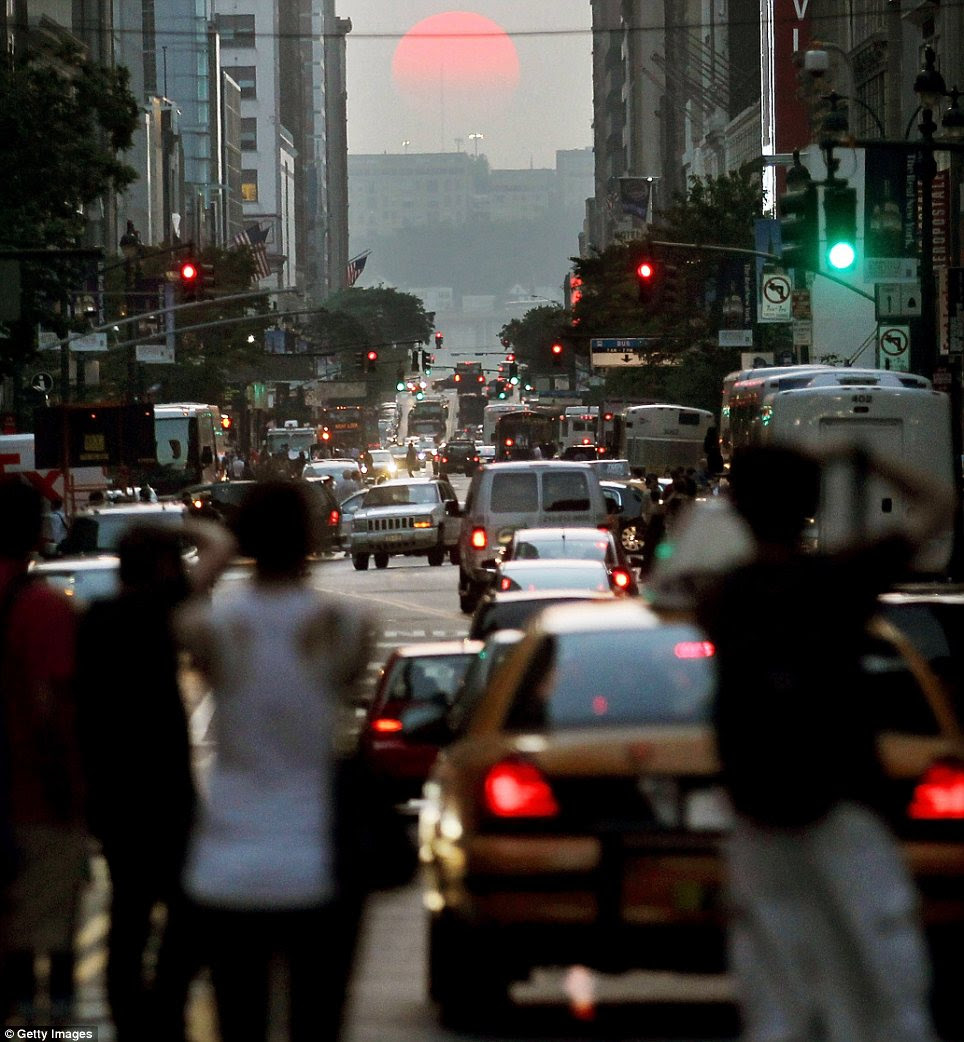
x=504 y=497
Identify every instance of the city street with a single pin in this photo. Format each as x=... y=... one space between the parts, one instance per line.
x=415 y=602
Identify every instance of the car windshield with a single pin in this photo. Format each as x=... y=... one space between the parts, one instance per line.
x=660 y=676
x=426 y=679
x=401 y=495
x=556 y=548
x=538 y=575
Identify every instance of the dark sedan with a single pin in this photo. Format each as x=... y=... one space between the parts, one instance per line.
x=458 y=455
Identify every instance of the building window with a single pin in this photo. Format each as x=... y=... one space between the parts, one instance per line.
x=237 y=30
x=249 y=186
x=246 y=77
x=249 y=134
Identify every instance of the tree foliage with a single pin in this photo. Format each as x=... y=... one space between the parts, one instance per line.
x=63 y=123
x=681 y=318
x=532 y=335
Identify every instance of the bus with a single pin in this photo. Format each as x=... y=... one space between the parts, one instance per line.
x=519 y=434
x=887 y=414
x=579 y=425
x=471 y=411
x=741 y=376
x=429 y=417
x=660 y=438
x=190 y=449
x=746 y=400
x=490 y=415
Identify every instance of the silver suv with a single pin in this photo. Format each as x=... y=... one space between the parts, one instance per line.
x=419 y=516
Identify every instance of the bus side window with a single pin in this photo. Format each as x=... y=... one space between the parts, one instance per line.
x=175 y=448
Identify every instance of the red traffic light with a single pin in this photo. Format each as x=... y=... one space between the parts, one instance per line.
x=510 y=357
x=557 y=349
x=372 y=356
x=227 y=423
x=188 y=271
x=439 y=336
x=645 y=269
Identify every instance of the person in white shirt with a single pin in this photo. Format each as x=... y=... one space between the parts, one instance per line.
x=281 y=659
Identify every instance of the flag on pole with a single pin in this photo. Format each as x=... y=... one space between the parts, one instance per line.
x=255 y=237
x=356 y=266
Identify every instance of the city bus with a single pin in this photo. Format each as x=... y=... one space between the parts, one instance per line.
x=742 y=377
x=746 y=400
x=579 y=425
x=902 y=422
x=490 y=415
x=660 y=438
x=519 y=434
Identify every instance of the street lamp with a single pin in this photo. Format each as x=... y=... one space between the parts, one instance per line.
x=131 y=249
x=476 y=138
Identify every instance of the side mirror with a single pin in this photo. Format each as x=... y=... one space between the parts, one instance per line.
x=452 y=508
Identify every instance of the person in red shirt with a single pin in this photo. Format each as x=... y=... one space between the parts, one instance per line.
x=40 y=771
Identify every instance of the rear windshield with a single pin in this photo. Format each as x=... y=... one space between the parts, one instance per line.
x=565 y=490
x=582 y=548
x=663 y=676
x=401 y=495
x=426 y=679
x=510 y=615
x=515 y=493
x=524 y=575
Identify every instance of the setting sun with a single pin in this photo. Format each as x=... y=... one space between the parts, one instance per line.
x=458 y=52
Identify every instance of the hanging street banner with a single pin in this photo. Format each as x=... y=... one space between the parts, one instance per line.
x=636 y=196
x=890 y=216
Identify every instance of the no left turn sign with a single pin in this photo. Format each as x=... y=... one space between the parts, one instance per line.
x=894 y=344
x=776 y=289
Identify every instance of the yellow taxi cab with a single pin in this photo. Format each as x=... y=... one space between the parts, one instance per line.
x=577 y=817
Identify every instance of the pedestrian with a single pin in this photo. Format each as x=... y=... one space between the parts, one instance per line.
x=411 y=459
x=134 y=737
x=42 y=778
x=54 y=527
x=280 y=659
x=711 y=450
x=824 y=938
x=238 y=467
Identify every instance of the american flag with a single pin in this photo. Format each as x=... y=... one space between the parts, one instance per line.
x=254 y=237
x=355 y=267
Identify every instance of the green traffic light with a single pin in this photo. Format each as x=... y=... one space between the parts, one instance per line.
x=841 y=255
x=400 y=386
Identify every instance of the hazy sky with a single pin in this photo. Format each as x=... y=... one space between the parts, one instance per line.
x=550 y=108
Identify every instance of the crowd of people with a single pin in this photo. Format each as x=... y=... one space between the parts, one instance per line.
x=94 y=748
x=825 y=940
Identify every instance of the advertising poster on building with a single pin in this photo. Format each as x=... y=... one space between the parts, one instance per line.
x=636 y=196
x=890 y=226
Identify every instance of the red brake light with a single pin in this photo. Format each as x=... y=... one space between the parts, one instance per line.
x=333 y=518
x=386 y=725
x=479 y=539
x=939 y=794
x=694 y=649
x=505 y=583
x=620 y=577
x=515 y=789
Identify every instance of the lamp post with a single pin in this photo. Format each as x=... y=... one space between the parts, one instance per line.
x=476 y=138
x=131 y=249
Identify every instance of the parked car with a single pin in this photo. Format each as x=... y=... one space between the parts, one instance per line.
x=411 y=516
x=579 y=818
x=413 y=676
x=458 y=455
x=508 y=496
x=500 y=610
x=554 y=544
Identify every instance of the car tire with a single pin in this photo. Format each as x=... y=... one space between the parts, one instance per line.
x=360 y=561
x=436 y=556
x=465 y=976
x=629 y=536
x=381 y=560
